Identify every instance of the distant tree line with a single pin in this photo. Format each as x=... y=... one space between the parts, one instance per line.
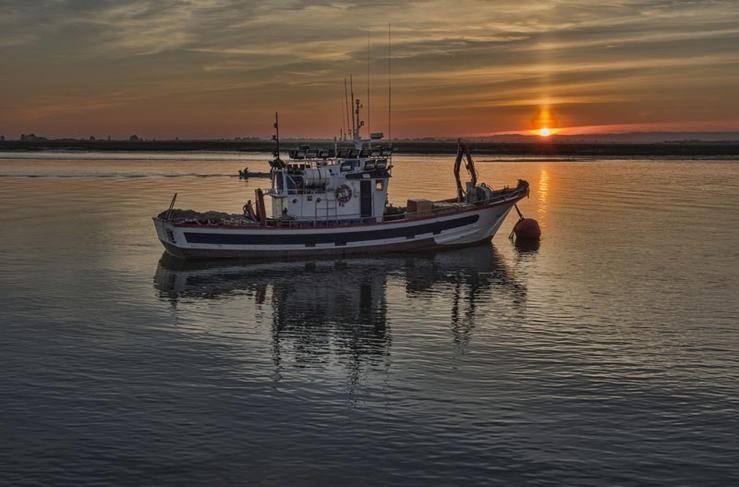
x=538 y=148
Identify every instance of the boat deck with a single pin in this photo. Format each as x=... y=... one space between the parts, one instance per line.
x=393 y=214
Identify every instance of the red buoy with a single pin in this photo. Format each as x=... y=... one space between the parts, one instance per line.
x=527 y=229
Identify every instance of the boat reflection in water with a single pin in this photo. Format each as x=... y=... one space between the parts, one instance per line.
x=340 y=307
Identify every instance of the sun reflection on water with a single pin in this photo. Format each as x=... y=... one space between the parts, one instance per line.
x=543 y=192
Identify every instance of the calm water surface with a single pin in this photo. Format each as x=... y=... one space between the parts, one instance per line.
x=609 y=356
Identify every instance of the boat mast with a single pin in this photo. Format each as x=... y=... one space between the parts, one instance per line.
x=360 y=124
x=346 y=108
x=357 y=124
x=369 y=107
x=276 y=137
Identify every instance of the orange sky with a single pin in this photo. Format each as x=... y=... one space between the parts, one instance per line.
x=221 y=68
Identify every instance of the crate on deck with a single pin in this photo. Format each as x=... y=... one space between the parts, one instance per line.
x=419 y=206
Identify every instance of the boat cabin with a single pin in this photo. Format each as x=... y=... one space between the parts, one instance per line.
x=343 y=185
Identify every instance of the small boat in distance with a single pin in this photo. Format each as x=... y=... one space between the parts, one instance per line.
x=246 y=174
x=335 y=202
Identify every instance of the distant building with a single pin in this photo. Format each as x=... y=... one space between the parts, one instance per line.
x=31 y=138
x=92 y=137
x=134 y=138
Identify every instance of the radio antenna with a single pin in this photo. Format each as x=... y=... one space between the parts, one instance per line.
x=389 y=88
x=342 y=117
x=369 y=108
x=346 y=106
x=354 y=122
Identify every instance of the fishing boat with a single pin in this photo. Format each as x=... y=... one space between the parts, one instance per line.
x=335 y=202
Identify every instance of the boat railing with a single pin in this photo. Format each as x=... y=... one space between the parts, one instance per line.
x=333 y=223
x=381 y=159
x=304 y=153
x=297 y=191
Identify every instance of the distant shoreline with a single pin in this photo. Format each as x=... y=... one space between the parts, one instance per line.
x=687 y=149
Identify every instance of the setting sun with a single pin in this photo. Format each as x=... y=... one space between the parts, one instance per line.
x=544 y=132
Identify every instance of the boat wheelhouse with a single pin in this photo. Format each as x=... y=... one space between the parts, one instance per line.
x=348 y=188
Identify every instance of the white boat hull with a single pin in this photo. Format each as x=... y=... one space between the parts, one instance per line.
x=466 y=227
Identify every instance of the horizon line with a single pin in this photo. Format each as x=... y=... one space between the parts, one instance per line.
x=532 y=134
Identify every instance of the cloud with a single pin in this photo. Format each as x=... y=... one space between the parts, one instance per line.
x=495 y=59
